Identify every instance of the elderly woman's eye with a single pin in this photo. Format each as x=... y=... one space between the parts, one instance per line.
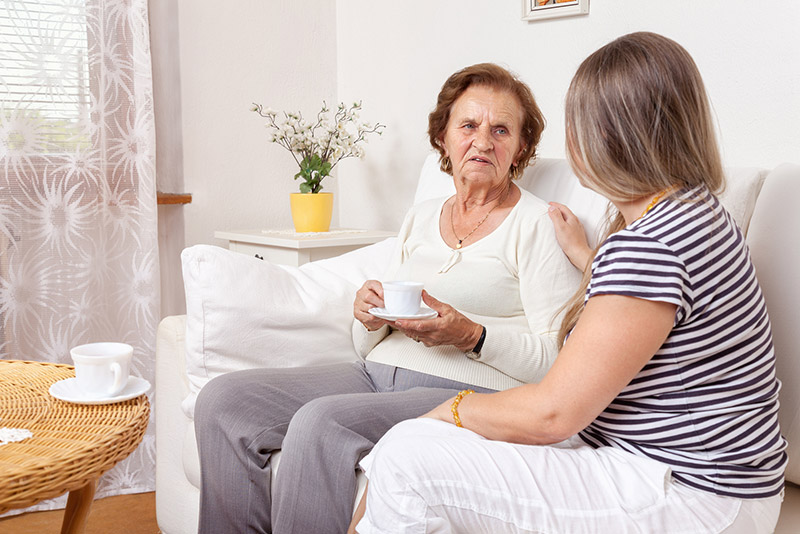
x=501 y=131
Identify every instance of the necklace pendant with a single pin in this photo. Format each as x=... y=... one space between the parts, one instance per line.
x=459 y=244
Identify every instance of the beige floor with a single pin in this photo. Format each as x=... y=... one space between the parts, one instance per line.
x=122 y=514
x=136 y=514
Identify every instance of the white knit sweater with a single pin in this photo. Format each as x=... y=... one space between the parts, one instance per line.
x=513 y=282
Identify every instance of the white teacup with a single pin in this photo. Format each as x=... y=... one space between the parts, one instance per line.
x=102 y=369
x=402 y=298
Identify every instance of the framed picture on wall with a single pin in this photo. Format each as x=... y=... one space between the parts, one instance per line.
x=550 y=9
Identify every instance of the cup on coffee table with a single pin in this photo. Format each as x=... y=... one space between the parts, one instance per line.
x=402 y=297
x=102 y=369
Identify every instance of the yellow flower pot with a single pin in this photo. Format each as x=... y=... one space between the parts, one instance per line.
x=311 y=212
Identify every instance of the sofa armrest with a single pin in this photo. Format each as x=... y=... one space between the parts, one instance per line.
x=170 y=345
x=176 y=495
x=775 y=249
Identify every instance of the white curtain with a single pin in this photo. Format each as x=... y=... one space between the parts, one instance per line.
x=78 y=234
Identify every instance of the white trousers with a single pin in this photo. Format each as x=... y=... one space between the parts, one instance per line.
x=427 y=476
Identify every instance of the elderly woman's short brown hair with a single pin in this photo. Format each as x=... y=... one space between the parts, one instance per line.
x=498 y=78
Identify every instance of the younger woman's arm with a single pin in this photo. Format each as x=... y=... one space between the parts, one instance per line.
x=613 y=340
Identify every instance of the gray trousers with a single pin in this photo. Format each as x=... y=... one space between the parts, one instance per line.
x=323 y=419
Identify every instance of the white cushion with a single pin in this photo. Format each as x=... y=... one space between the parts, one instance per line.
x=243 y=312
x=741 y=192
x=433 y=183
x=552 y=180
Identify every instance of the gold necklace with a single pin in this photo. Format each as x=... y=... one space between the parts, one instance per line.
x=453 y=226
x=653 y=202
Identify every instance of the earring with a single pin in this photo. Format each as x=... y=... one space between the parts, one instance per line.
x=446 y=165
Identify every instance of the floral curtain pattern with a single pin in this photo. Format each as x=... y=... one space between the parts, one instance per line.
x=78 y=229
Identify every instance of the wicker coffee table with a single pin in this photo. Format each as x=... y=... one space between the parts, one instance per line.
x=72 y=444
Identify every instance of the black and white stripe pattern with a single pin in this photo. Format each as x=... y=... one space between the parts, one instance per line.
x=707 y=402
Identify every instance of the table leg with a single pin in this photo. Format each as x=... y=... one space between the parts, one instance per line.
x=77 y=512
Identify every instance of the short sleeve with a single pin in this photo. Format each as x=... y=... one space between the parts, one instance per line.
x=639 y=266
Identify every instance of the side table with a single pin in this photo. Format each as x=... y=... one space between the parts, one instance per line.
x=72 y=444
x=287 y=247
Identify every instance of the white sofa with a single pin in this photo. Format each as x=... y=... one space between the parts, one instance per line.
x=243 y=312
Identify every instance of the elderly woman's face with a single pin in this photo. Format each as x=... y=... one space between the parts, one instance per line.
x=483 y=135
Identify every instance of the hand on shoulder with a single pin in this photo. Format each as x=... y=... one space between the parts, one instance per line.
x=570 y=235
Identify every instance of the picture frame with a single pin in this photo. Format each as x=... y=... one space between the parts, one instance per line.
x=533 y=10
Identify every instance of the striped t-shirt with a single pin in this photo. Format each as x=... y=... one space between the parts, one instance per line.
x=706 y=404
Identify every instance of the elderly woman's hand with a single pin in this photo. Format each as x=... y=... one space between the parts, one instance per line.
x=449 y=328
x=369 y=296
x=570 y=235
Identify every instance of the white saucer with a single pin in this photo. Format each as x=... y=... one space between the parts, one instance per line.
x=67 y=390
x=423 y=313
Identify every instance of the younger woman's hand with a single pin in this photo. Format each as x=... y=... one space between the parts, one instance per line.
x=570 y=235
x=442 y=412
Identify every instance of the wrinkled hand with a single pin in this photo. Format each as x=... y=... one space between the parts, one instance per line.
x=369 y=296
x=570 y=235
x=449 y=328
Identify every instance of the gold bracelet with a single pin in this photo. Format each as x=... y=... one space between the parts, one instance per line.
x=454 y=406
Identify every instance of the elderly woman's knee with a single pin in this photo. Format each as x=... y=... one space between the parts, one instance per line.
x=316 y=416
x=216 y=400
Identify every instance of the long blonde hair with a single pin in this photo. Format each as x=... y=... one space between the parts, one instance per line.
x=638 y=121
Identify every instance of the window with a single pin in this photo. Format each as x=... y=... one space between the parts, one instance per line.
x=44 y=77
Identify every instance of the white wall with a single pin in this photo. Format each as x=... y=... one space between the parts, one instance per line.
x=280 y=54
x=395 y=56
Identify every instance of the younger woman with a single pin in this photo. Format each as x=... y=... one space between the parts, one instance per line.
x=660 y=413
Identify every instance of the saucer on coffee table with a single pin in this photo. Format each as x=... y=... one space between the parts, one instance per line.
x=67 y=390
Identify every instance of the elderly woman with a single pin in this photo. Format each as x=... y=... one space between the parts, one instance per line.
x=490 y=258
x=661 y=411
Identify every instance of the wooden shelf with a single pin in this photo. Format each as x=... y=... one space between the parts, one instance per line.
x=173 y=198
